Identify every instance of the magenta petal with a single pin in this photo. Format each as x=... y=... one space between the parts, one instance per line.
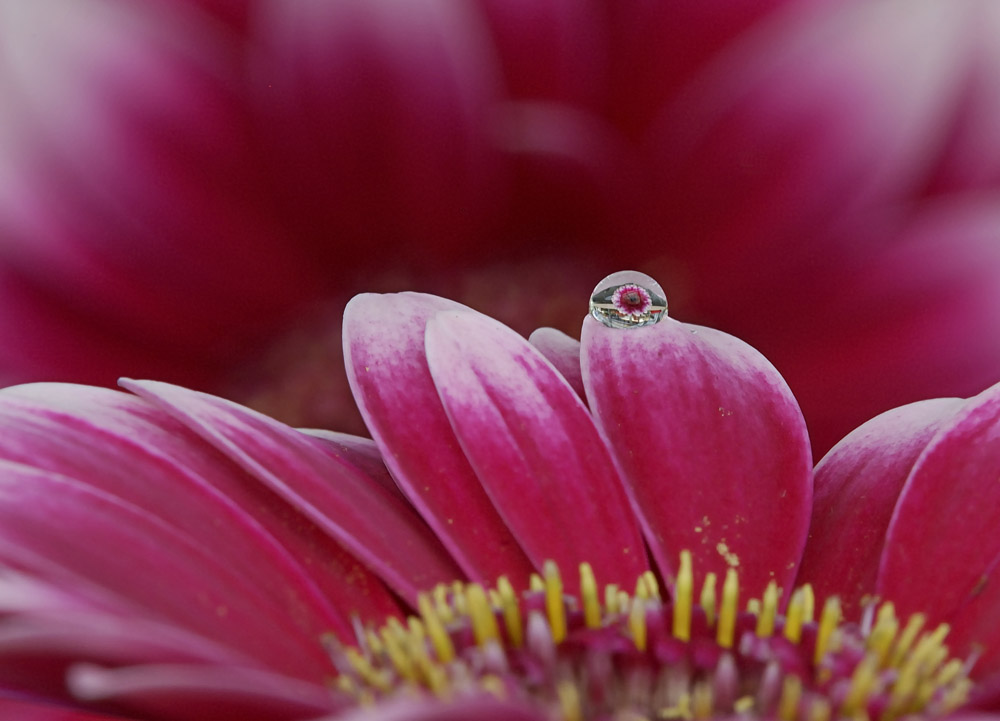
x=711 y=443
x=856 y=488
x=74 y=536
x=372 y=523
x=480 y=708
x=108 y=439
x=535 y=448
x=564 y=353
x=23 y=710
x=199 y=692
x=387 y=369
x=943 y=543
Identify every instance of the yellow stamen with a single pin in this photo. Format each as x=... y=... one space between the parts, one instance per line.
x=652 y=584
x=707 y=599
x=535 y=582
x=683 y=590
x=753 y=606
x=743 y=704
x=637 y=623
x=511 y=612
x=884 y=632
x=702 y=701
x=808 y=604
x=554 y=601
x=484 y=622
x=819 y=710
x=905 y=641
x=828 y=622
x=441 y=605
x=588 y=594
x=435 y=629
x=794 y=616
x=791 y=695
x=458 y=598
x=569 y=701
x=681 y=710
x=768 y=611
x=727 y=610
x=862 y=682
x=611 y=599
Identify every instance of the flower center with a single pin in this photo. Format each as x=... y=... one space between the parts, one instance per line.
x=615 y=655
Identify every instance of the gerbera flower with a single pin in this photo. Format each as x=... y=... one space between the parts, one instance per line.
x=168 y=554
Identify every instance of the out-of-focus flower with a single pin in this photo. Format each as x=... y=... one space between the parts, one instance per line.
x=181 y=184
x=173 y=555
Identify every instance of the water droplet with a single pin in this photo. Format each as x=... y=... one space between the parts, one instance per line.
x=628 y=299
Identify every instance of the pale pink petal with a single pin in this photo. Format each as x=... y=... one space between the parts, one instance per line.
x=943 y=544
x=107 y=439
x=196 y=692
x=70 y=534
x=562 y=352
x=856 y=488
x=367 y=520
x=387 y=369
x=711 y=444
x=535 y=448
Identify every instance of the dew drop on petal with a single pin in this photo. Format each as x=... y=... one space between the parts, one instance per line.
x=628 y=299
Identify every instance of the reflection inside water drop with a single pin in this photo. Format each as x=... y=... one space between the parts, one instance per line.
x=628 y=299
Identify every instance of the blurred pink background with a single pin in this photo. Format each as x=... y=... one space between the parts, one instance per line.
x=191 y=190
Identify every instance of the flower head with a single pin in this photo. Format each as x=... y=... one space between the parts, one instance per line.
x=169 y=554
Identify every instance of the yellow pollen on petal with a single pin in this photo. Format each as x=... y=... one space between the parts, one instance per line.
x=768 y=612
x=707 y=599
x=726 y=629
x=588 y=593
x=683 y=592
x=511 y=611
x=554 y=601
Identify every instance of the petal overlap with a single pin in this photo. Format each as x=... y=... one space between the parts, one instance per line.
x=534 y=448
x=388 y=372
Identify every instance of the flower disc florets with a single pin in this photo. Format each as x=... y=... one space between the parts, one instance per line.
x=637 y=656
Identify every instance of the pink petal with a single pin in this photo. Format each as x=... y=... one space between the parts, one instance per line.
x=534 y=447
x=44 y=519
x=480 y=708
x=943 y=543
x=109 y=439
x=710 y=442
x=198 y=692
x=380 y=115
x=370 y=522
x=562 y=352
x=362 y=453
x=387 y=369
x=856 y=488
x=23 y=710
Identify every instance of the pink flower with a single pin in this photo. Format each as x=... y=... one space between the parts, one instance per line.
x=181 y=184
x=172 y=555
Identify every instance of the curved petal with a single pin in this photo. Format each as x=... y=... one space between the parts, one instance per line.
x=710 y=443
x=362 y=453
x=45 y=517
x=25 y=710
x=856 y=488
x=370 y=522
x=388 y=373
x=108 y=439
x=943 y=545
x=563 y=352
x=482 y=708
x=534 y=448
x=195 y=692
